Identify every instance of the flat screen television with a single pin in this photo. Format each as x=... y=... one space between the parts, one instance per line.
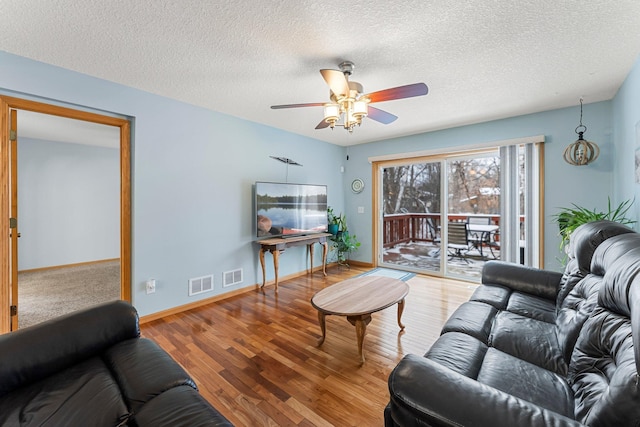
x=284 y=209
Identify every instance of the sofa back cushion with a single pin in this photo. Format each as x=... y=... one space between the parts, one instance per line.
x=603 y=371
x=597 y=243
x=582 y=245
x=36 y=352
x=581 y=300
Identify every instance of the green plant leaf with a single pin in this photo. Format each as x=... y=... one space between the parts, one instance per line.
x=570 y=218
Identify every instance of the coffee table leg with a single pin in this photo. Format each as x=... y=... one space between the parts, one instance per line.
x=323 y=327
x=400 y=310
x=360 y=322
x=361 y=329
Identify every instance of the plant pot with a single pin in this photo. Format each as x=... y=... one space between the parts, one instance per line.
x=333 y=229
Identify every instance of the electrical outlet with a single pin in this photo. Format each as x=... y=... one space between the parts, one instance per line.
x=151 y=286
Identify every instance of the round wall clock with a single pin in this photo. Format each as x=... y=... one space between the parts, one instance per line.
x=357 y=185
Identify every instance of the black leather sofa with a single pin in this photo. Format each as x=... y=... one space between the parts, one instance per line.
x=92 y=368
x=535 y=347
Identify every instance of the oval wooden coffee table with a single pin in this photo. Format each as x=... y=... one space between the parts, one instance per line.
x=356 y=299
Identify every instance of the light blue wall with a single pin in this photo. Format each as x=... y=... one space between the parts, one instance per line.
x=193 y=171
x=626 y=119
x=69 y=203
x=564 y=184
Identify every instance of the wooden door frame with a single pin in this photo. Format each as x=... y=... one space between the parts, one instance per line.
x=8 y=103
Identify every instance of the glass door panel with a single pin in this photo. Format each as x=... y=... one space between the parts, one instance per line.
x=411 y=217
x=473 y=214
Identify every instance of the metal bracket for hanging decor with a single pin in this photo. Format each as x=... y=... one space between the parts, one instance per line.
x=288 y=162
x=581 y=152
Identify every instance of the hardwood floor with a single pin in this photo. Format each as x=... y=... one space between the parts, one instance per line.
x=255 y=356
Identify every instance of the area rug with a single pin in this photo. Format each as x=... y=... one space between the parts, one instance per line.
x=388 y=272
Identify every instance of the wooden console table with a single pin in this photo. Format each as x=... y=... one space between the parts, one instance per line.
x=279 y=244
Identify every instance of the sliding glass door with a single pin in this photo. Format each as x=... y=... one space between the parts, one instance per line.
x=473 y=213
x=447 y=215
x=412 y=206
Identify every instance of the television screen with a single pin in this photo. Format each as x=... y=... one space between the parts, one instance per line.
x=284 y=209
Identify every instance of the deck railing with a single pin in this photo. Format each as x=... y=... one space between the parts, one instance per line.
x=420 y=227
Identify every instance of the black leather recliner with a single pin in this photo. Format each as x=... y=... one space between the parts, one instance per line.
x=535 y=347
x=92 y=368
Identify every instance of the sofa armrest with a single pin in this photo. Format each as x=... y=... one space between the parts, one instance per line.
x=143 y=371
x=36 y=352
x=534 y=281
x=424 y=392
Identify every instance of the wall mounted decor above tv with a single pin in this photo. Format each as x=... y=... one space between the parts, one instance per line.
x=283 y=209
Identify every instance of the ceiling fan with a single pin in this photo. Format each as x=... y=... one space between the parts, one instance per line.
x=347 y=102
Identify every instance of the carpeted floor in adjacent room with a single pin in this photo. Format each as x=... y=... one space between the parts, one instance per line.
x=45 y=294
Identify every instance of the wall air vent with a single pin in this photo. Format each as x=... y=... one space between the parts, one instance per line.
x=232 y=277
x=200 y=285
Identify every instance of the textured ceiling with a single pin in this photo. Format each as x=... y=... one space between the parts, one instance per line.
x=482 y=60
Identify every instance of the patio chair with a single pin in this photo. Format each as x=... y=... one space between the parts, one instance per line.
x=478 y=238
x=457 y=240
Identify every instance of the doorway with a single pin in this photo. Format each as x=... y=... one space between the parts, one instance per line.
x=10 y=132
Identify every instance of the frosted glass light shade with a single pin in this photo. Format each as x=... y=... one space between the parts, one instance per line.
x=331 y=112
x=360 y=109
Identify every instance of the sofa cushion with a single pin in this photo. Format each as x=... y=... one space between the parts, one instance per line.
x=528 y=339
x=495 y=295
x=526 y=381
x=582 y=247
x=425 y=393
x=143 y=370
x=83 y=395
x=516 y=277
x=179 y=407
x=459 y=352
x=586 y=238
x=603 y=373
x=531 y=306
x=603 y=370
x=472 y=318
x=611 y=249
x=36 y=352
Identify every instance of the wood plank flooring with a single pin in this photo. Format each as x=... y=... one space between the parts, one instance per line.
x=255 y=356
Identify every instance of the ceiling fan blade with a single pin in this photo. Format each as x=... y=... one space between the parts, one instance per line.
x=408 y=91
x=323 y=124
x=337 y=82
x=381 y=116
x=312 y=104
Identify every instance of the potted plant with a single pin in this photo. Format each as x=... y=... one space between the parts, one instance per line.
x=344 y=244
x=568 y=219
x=336 y=222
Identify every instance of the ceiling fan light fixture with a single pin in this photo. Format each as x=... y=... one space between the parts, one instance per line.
x=360 y=109
x=348 y=105
x=331 y=113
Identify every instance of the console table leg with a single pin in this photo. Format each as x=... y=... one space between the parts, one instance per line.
x=324 y=257
x=400 y=310
x=264 y=274
x=311 y=256
x=276 y=264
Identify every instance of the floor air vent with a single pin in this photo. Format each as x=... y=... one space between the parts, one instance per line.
x=232 y=277
x=199 y=285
